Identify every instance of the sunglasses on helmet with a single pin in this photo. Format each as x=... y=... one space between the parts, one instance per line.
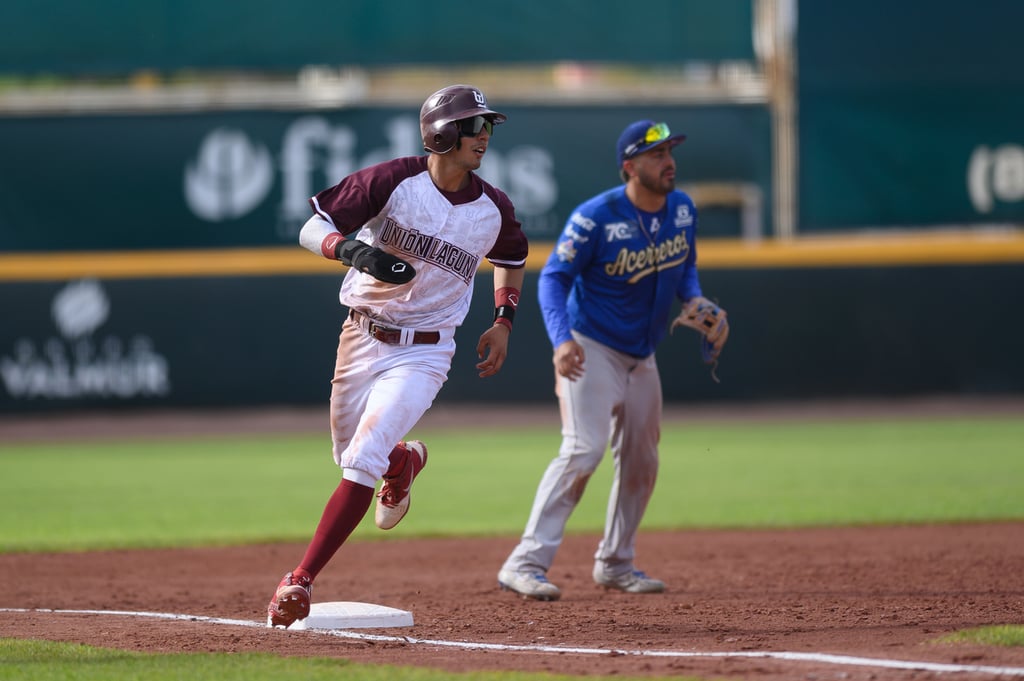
x=656 y=133
x=471 y=127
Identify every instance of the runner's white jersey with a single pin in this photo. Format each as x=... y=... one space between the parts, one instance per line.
x=396 y=207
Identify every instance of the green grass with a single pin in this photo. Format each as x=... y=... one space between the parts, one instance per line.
x=228 y=490
x=1009 y=635
x=45 y=661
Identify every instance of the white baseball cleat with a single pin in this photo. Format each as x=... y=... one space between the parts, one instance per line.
x=393 y=498
x=633 y=582
x=533 y=585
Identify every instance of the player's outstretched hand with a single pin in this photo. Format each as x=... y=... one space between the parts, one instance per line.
x=492 y=350
x=375 y=262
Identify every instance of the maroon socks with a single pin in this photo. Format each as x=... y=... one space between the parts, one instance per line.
x=345 y=509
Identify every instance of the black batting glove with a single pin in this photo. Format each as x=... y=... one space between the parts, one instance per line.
x=373 y=261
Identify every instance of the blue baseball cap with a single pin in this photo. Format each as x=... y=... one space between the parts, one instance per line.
x=643 y=135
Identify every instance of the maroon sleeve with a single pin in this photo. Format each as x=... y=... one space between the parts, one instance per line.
x=511 y=248
x=351 y=203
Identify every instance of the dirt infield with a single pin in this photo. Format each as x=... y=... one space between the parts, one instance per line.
x=884 y=593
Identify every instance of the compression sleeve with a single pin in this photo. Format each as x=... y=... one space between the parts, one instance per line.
x=314 y=232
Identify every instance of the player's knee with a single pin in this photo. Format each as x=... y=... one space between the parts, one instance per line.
x=582 y=462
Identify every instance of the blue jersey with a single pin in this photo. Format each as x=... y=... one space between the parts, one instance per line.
x=616 y=272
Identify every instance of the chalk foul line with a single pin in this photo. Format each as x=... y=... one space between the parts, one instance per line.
x=823 y=658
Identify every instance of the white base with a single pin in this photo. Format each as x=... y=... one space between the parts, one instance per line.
x=349 y=615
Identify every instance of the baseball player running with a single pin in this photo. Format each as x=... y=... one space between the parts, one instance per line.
x=623 y=258
x=413 y=231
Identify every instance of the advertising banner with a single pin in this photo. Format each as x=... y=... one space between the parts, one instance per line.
x=227 y=179
x=913 y=121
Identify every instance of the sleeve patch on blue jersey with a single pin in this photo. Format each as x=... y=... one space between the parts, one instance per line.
x=583 y=223
x=683 y=216
x=566 y=250
x=619 y=231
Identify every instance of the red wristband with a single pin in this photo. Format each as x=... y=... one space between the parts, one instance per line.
x=506 y=300
x=329 y=244
x=506 y=295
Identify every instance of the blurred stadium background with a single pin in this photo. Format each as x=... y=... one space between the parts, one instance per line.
x=859 y=168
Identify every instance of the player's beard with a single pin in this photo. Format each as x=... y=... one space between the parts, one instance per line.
x=662 y=182
x=657 y=184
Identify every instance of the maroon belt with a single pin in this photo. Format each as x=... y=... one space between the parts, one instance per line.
x=394 y=336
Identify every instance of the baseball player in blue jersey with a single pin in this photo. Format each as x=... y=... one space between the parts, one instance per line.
x=606 y=293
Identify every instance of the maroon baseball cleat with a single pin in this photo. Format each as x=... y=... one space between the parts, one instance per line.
x=290 y=601
x=393 y=498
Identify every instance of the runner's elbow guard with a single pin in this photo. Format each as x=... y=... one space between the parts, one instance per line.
x=373 y=261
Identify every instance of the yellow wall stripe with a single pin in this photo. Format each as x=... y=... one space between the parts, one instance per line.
x=932 y=248
x=177 y=263
x=875 y=250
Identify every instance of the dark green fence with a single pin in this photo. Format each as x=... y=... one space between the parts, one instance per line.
x=910 y=114
x=112 y=37
x=907 y=118
x=796 y=334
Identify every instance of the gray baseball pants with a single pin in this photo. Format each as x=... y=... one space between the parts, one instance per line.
x=617 y=400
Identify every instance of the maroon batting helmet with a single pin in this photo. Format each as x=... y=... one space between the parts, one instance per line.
x=453 y=103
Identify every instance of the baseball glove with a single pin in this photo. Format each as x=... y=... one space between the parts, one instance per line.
x=711 y=322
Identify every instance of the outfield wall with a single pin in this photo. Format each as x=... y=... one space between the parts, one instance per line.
x=148 y=257
x=847 y=319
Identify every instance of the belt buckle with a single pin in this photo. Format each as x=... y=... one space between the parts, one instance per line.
x=381 y=333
